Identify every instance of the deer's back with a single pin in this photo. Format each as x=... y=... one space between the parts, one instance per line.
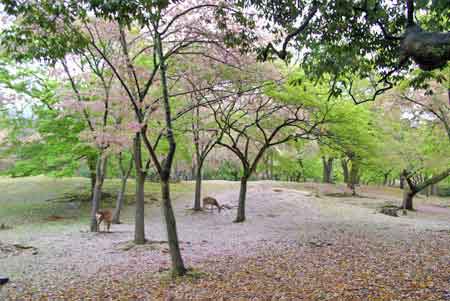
x=107 y=215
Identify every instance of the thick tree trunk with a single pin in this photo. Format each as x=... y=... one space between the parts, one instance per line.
x=139 y=222
x=402 y=182
x=178 y=268
x=415 y=188
x=408 y=196
x=100 y=171
x=198 y=187
x=430 y=50
x=327 y=170
x=242 y=196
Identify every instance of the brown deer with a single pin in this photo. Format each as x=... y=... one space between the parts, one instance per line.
x=106 y=216
x=211 y=202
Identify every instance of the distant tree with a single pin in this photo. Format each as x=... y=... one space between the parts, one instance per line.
x=350 y=133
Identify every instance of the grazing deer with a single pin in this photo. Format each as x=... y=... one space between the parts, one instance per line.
x=106 y=216
x=211 y=202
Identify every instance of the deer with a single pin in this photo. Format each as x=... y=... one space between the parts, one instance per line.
x=106 y=216
x=211 y=202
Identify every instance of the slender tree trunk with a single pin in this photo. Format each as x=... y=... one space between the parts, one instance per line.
x=353 y=180
x=198 y=159
x=198 y=187
x=386 y=179
x=100 y=171
x=345 y=172
x=139 y=225
x=178 y=268
x=242 y=197
x=119 y=201
x=92 y=164
x=139 y=222
x=271 y=166
x=402 y=182
x=124 y=175
x=327 y=170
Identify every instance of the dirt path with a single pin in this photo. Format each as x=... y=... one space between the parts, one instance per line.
x=278 y=219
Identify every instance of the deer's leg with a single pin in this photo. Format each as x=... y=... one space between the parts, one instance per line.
x=98 y=225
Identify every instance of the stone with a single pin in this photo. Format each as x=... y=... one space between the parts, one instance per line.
x=3 y=280
x=391 y=211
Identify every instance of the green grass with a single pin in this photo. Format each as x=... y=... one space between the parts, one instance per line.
x=31 y=200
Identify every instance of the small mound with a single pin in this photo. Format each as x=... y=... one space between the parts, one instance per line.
x=7 y=250
x=344 y=195
x=54 y=218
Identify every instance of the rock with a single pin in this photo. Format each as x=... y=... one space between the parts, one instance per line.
x=391 y=211
x=3 y=280
x=318 y=244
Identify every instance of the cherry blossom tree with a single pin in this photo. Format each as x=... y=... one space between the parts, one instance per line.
x=90 y=92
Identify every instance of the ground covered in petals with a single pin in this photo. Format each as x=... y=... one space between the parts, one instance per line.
x=300 y=242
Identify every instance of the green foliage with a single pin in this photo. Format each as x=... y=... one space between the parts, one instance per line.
x=41 y=140
x=47 y=144
x=228 y=170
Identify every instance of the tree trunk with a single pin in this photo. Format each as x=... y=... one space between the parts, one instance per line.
x=344 y=164
x=408 y=196
x=100 y=171
x=119 y=201
x=416 y=188
x=198 y=187
x=402 y=182
x=124 y=175
x=139 y=222
x=386 y=179
x=242 y=196
x=92 y=163
x=271 y=166
x=354 y=179
x=429 y=50
x=327 y=170
x=178 y=268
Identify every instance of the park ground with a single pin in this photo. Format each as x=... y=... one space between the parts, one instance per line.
x=301 y=241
